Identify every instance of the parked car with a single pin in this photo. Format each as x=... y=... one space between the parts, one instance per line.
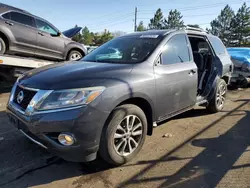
x=241 y=60
x=25 y=34
x=108 y=106
x=240 y=57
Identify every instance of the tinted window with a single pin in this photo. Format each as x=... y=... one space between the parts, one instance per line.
x=129 y=49
x=43 y=26
x=6 y=16
x=217 y=45
x=176 y=50
x=22 y=18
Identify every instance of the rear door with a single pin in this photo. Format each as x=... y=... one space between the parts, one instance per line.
x=50 y=43
x=22 y=26
x=222 y=59
x=176 y=77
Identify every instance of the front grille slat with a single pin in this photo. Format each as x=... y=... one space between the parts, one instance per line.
x=28 y=95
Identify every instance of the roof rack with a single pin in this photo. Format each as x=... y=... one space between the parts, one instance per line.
x=194 y=29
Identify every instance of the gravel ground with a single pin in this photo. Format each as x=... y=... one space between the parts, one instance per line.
x=200 y=150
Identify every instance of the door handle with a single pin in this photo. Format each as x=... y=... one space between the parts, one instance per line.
x=191 y=72
x=40 y=33
x=9 y=23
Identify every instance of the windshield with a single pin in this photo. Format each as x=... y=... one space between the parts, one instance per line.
x=132 y=49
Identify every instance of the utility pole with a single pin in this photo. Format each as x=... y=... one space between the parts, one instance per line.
x=135 y=29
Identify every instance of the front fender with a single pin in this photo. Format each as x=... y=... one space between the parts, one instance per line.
x=73 y=45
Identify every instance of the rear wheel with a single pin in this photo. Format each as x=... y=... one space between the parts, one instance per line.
x=2 y=46
x=124 y=135
x=74 y=55
x=217 y=103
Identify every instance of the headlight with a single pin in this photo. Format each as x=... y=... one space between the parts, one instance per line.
x=69 y=98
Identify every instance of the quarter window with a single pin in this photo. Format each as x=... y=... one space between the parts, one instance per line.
x=176 y=50
x=22 y=18
x=43 y=26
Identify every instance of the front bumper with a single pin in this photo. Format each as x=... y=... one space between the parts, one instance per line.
x=84 y=123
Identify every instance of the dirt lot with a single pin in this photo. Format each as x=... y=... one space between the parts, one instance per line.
x=201 y=150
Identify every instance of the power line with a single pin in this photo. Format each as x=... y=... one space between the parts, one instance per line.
x=195 y=15
x=97 y=28
x=113 y=20
x=194 y=7
x=107 y=15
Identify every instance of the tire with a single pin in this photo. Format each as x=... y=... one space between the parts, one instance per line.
x=2 y=46
x=217 y=102
x=109 y=146
x=74 y=55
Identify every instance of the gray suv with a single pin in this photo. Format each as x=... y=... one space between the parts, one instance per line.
x=108 y=105
x=22 y=33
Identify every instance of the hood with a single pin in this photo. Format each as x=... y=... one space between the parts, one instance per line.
x=74 y=74
x=72 y=32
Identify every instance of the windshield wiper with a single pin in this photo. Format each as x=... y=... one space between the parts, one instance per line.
x=180 y=59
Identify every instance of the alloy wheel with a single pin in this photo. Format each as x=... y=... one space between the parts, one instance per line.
x=128 y=135
x=75 y=56
x=221 y=96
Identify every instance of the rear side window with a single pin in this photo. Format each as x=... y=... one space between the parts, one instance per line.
x=6 y=16
x=176 y=50
x=217 y=44
x=22 y=18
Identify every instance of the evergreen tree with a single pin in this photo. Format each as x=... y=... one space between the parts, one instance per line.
x=157 y=21
x=221 y=26
x=241 y=25
x=174 y=20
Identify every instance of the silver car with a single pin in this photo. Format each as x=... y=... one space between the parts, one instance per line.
x=22 y=33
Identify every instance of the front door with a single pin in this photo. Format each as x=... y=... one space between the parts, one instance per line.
x=49 y=43
x=176 y=77
x=22 y=27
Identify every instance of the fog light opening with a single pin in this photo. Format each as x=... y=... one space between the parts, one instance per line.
x=66 y=139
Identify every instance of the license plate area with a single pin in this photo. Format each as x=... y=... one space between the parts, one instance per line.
x=17 y=123
x=14 y=121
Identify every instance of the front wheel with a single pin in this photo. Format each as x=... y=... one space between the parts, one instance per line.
x=124 y=135
x=74 y=55
x=2 y=46
x=217 y=102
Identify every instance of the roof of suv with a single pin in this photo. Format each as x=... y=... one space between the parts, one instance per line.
x=5 y=8
x=164 y=32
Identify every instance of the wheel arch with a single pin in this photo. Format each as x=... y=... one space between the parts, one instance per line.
x=226 y=78
x=145 y=105
x=76 y=49
x=5 y=39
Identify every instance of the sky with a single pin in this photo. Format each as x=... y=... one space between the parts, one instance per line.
x=118 y=15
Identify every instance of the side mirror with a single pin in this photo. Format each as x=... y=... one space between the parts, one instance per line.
x=158 y=61
x=57 y=34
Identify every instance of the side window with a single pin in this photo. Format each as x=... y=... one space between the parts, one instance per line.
x=6 y=16
x=43 y=26
x=22 y=18
x=217 y=44
x=176 y=50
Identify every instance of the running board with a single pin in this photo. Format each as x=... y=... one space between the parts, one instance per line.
x=173 y=114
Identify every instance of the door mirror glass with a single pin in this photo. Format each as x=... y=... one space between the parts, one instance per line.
x=58 y=34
